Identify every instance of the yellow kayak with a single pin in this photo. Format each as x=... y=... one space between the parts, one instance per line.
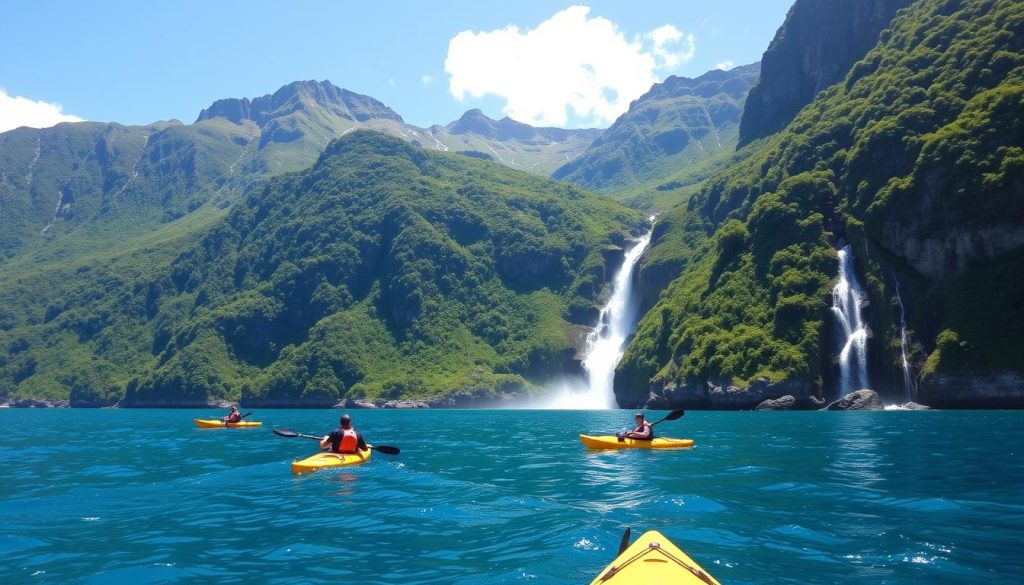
x=326 y=460
x=653 y=559
x=612 y=442
x=219 y=424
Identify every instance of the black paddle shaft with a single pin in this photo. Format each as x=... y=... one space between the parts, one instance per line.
x=386 y=449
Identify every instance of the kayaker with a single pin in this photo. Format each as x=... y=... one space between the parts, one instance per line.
x=233 y=416
x=644 y=430
x=345 y=439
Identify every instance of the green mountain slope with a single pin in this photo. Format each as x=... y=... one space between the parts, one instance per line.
x=382 y=271
x=914 y=158
x=672 y=137
x=76 y=189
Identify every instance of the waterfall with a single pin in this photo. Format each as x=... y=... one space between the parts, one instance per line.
x=606 y=344
x=846 y=296
x=908 y=376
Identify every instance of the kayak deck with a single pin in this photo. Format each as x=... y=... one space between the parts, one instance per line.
x=653 y=559
x=219 y=424
x=612 y=442
x=326 y=460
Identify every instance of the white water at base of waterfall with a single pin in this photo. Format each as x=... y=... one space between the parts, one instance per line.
x=846 y=297
x=605 y=345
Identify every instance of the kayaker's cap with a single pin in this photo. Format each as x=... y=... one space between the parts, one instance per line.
x=345 y=420
x=639 y=414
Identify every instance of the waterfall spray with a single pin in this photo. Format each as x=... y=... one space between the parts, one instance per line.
x=846 y=296
x=606 y=344
x=908 y=376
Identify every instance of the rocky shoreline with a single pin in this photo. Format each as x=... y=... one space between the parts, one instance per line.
x=863 y=399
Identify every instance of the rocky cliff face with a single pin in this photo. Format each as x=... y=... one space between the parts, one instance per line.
x=815 y=47
x=715 y=395
x=968 y=390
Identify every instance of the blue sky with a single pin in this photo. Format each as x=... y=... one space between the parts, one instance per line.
x=562 y=64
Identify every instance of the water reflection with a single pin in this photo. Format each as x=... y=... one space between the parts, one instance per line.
x=856 y=459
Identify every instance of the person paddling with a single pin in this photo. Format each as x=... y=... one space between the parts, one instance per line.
x=644 y=431
x=345 y=439
x=233 y=416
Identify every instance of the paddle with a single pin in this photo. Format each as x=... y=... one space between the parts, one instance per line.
x=386 y=449
x=624 y=543
x=675 y=414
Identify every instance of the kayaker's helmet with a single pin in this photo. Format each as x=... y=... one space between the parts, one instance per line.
x=346 y=420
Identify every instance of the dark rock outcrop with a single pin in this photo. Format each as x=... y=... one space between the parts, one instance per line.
x=862 y=399
x=786 y=402
x=36 y=403
x=406 y=404
x=969 y=390
x=814 y=48
x=357 y=403
x=712 y=395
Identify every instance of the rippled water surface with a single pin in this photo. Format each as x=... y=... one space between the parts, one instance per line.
x=142 y=496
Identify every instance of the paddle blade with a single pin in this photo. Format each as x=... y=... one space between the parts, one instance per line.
x=387 y=449
x=675 y=414
x=285 y=433
x=624 y=543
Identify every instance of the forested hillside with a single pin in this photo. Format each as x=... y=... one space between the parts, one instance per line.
x=382 y=271
x=915 y=158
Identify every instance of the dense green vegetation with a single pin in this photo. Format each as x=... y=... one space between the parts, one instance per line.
x=922 y=138
x=382 y=271
x=671 y=139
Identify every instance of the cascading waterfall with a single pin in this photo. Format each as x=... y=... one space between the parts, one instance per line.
x=908 y=376
x=846 y=296
x=606 y=344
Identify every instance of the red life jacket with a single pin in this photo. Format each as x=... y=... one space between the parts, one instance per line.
x=349 y=441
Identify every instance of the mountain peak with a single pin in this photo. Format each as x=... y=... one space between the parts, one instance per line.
x=300 y=95
x=476 y=122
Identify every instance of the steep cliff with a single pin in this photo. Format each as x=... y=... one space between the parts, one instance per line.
x=814 y=48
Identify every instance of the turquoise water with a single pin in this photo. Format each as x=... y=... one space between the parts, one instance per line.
x=142 y=496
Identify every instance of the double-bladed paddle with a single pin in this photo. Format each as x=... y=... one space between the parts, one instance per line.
x=386 y=449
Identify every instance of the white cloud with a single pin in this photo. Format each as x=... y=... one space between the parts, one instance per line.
x=391 y=82
x=426 y=79
x=661 y=38
x=18 y=111
x=725 y=65
x=568 y=66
